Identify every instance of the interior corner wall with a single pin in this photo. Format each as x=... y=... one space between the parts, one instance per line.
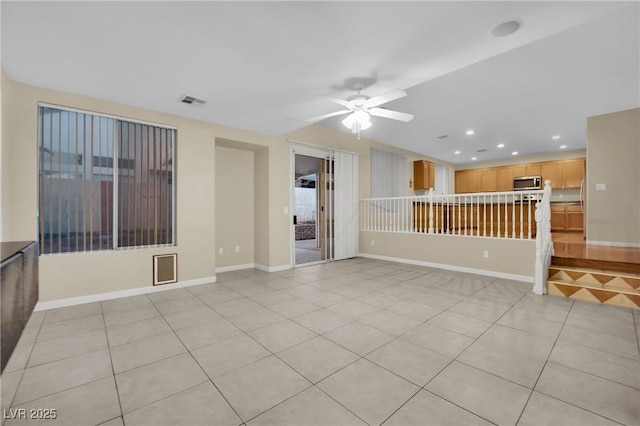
x=234 y=197
x=81 y=274
x=613 y=159
x=261 y=207
x=5 y=176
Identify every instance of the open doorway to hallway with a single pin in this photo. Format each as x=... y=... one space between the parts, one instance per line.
x=312 y=202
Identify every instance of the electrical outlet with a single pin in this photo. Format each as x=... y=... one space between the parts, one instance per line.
x=485 y=254
x=220 y=250
x=561 y=195
x=286 y=210
x=237 y=249
x=373 y=243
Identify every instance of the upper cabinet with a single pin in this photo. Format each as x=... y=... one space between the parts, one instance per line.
x=490 y=179
x=529 y=169
x=563 y=174
x=462 y=181
x=573 y=173
x=552 y=170
x=505 y=178
x=424 y=175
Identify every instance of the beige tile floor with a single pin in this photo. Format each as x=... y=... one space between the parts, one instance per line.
x=347 y=343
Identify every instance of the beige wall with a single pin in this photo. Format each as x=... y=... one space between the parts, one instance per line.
x=71 y=275
x=514 y=258
x=5 y=177
x=261 y=207
x=613 y=150
x=234 y=198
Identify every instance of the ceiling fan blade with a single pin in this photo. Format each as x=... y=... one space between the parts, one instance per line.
x=389 y=96
x=394 y=115
x=342 y=102
x=331 y=114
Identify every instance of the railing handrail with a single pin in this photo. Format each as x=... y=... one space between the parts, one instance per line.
x=468 y=194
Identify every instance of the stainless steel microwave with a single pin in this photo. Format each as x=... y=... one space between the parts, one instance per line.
x=527 y=183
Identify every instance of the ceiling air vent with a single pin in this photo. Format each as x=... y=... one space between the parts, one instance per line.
x=190 y=100
x=442 y=136
x=481 y=150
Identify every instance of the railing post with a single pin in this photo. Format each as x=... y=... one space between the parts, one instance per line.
x=544 y=247
x=431 y=210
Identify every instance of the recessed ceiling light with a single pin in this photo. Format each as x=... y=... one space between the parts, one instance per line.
x=500 y=145
x=470 y=132
x=555 y=137
x=514 y=153
x=563 y=146
x=474 y=158
x=456 y=152
x=506 y=28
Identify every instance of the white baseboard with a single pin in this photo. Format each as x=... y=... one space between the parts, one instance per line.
x=60 y=303
x=613 y=244
x=272 y=268
x=235 y=267
x=514 y=277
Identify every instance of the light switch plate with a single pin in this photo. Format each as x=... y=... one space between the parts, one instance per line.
x=601 y=186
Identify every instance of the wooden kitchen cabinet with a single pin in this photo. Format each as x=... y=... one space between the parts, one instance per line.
x=575 y=218
x=529 y=169
x=563 y=174
x=462 y=181
x=505 y=178
x=475 y=180
x=573 y=173
x=490 y=179
x=424 y=173
x=552 y=170
x=567 y=217
x=558 y=218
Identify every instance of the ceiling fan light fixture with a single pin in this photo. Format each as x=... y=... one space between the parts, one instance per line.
x=357 y=122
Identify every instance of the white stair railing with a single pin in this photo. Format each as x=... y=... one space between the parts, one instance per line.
x=508 y=215
x=544 y=245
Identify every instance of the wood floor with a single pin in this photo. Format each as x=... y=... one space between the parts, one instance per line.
x=570 y=249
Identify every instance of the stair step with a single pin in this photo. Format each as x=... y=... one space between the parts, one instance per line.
x=596 y=279
x=590 y=293
x=599 y=265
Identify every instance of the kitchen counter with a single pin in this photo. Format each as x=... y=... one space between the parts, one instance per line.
x=18 y=292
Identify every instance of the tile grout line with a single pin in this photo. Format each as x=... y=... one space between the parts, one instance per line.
x=545 y=365
x=113 y=372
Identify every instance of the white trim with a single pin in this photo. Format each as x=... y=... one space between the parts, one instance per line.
x=613 y=244
x=514 y=277
x=235 y=267
x=272 y=268
x=43 y=306
x=295 y=141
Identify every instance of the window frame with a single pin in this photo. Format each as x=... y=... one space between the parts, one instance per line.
x=173 y=135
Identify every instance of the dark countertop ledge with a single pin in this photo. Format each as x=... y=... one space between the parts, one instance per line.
x=10 y=248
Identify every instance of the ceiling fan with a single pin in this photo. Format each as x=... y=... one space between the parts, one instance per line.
x=360 y=107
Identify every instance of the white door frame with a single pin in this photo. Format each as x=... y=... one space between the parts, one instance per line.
x=309 y=152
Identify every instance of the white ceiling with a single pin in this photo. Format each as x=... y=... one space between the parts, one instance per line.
x=261 y=66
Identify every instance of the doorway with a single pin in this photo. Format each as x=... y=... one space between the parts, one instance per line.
x=313 y=208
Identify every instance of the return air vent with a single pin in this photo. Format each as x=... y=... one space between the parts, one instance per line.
x=190 y=100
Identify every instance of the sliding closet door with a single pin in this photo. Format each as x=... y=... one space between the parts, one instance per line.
x=346 y=205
